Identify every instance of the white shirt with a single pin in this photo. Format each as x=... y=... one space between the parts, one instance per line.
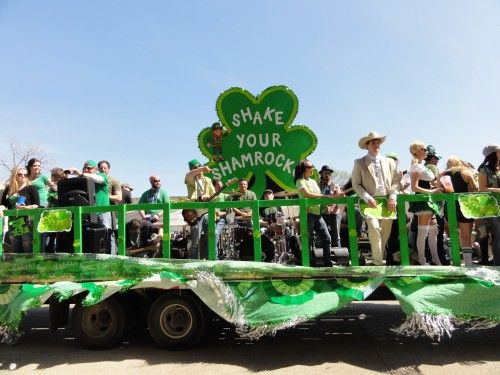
x=379 y=175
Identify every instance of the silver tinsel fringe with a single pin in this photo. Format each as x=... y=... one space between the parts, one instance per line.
x=438 y=326
x=234 y=309
x=9 y=335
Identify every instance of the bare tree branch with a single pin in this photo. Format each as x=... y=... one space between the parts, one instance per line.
x=21 y=153
x=341 y=177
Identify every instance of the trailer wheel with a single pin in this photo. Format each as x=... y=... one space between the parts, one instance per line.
x=176 y=322
x=99 y=326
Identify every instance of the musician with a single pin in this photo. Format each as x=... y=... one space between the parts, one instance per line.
x=245 y=195
x=199 y=189
x=268 y=214
x=220 y=213
x=141 y=239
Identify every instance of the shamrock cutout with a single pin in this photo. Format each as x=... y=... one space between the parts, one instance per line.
x=478 y=206
x=55 y=221
x=257 y=138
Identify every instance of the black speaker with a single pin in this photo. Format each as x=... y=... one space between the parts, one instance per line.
x=77 y=191
x=95 y=239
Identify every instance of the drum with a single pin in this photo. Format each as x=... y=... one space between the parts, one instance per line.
x=243 y=242
x=294 y=246
x=268 y=249
x=227 y=243
x=244 y=245
x=276 y=224
x=276 y=230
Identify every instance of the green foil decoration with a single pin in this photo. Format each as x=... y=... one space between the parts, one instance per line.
x=258 y=298
x=55 y=221
x=477 y=206
x=379 y=212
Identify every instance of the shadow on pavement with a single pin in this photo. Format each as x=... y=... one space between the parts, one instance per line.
x=358 y=335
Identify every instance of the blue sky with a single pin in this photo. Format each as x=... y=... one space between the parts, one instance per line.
x=135 y=81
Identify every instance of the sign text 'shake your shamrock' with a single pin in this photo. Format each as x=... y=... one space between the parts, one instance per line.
x=257 y=138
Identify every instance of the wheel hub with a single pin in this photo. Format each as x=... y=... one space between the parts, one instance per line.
x=176 y=321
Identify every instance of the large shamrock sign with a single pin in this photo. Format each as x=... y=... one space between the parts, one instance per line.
x=257 y=138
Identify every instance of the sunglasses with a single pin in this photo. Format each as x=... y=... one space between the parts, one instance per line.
x=22 y=174
x=309 y=166
x=156 y=180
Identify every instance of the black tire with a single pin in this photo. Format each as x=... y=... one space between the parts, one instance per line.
x=176 y=322
x=99 y=326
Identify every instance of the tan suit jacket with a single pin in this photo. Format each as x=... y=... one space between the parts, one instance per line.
x=364 y=180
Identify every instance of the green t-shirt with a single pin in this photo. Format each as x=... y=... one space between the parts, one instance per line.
x=154 y=196
x=223 y=197
x=101 y=191
x=248 y=196
x=310 y=185
x=40 y=183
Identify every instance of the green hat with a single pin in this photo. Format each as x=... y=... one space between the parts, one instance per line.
x=392 y=155
x=431 y=152
x=90 y=163
x=193 y=164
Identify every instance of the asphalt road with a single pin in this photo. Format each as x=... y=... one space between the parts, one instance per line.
x=356 y=340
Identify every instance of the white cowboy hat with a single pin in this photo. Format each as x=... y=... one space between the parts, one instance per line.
x=372 y=135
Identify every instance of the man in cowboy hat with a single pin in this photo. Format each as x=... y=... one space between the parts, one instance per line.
x=376 y=176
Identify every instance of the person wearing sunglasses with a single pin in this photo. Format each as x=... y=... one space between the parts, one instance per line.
x=308 y=188
x=156 y=194
x=41 y=182
x=423 y=181
x=20 y=194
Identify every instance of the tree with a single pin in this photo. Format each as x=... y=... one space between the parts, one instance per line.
x=20 y=154
x=341 y=177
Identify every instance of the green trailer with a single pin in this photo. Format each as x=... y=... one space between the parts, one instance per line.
x=178 y=300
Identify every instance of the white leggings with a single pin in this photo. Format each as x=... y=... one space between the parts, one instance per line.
x=432 y=232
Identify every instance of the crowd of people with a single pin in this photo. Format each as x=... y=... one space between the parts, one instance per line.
x=374 y=176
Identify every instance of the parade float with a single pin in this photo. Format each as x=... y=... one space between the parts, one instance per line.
x=178 y=298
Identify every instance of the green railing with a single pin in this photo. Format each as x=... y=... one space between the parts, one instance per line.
x=350 y=202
